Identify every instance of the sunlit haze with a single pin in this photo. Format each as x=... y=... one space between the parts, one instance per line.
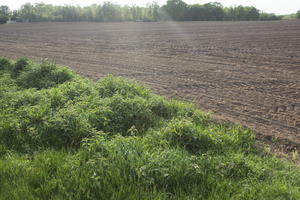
x=270 y=6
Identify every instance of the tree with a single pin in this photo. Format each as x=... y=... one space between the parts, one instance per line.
x=209 y=11
x=111 y=12
x=44 y=12
x=266 y=16
x=153 y=11
x=242 y=13
x=127 y=15
x=4 y=14
x=252 y=13
x=298 y=14
x=27 y=12
x=176 y=9
x=195 y=12
x=173 y=9
x=214 y=11
x=15 y=16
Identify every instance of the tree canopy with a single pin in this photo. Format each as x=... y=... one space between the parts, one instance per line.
x=4 y=14
x=176 y=10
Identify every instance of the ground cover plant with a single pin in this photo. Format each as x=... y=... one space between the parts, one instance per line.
x=65 y=137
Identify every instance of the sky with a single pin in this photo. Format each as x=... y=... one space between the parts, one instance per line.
x=270 y=6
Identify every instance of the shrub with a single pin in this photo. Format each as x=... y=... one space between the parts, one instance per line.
x=19 y=66
x=17 y=99
x=184 y=134
x=35 y=127
x=44 y=75
x=118 y=114
x=10 y=136
x=110 y=86
x=3 y=19
x=232 y=138
x=65 y=129
x=67 y=138
x=163 y=108
x=127 y=113
x=5 y=64
x=77 y=88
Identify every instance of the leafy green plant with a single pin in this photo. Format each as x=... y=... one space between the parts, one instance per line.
x=4 y=63
x=110 y=86
x=64 y=137
x=19 y=66
x=185 y=134
x=44 y=75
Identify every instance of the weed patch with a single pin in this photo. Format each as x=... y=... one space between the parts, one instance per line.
x=64 y=137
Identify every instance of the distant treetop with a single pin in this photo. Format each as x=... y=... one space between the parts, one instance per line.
x=176 y=10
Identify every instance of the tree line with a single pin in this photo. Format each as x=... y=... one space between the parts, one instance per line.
x=110 y=12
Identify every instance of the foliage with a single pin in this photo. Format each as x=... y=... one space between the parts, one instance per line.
x=4 y=14
x=5 y=64
x=111 y=86
x=242 y=13
x=43 y=75
x=15 y=16
x=209 y=11
x=110 y=12
x=289 y=17
x=266 y=16
x=19 y=66
x=73 y=139
x=176 y=9
x=298 y=14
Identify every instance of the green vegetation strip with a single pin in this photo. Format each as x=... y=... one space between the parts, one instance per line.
x=111 y=12
x=64 y=137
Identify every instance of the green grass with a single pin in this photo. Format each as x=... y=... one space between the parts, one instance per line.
x=64 y=137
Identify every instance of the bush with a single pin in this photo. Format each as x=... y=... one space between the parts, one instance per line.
x=267 y=16
x=63 y=137
x=4 y=64
x=44 y=75
x=128 y=158
x=163 y=108
x=184 y=134
x=19 y=66
x=110 y=86
x=3 y=19
x=65 y=129
x=118 y=115
x=127 y=113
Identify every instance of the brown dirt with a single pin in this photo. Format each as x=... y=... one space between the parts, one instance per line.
x=245 y=72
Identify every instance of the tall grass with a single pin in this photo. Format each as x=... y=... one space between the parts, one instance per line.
x=64 y=137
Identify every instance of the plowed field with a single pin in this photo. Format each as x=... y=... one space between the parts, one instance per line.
x=246 y=72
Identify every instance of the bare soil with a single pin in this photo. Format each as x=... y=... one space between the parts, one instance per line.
x=245 y=72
